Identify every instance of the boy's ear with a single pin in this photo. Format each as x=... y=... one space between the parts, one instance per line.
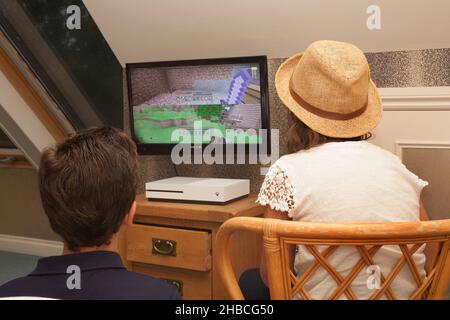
x=130 y=215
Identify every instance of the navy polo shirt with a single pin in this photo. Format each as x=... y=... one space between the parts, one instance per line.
x=102 y=276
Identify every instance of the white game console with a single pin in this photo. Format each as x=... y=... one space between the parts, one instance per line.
x=197 y=189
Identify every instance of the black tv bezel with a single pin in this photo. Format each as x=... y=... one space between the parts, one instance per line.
x=166 y=148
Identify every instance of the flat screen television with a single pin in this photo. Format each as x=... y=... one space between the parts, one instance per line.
x=199 y=102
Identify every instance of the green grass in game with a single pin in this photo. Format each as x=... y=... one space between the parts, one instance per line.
x=148 y=130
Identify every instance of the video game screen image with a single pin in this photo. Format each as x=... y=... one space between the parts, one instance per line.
x=222 y=96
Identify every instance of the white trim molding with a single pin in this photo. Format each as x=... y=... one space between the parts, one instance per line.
x=31 y=246
x=400 y=145
x=416 y=99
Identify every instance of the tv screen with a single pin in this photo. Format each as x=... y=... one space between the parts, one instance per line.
x=198 y=102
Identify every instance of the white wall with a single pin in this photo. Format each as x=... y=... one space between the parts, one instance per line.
x=414 y=116
x=151 y=30
x=415 y=126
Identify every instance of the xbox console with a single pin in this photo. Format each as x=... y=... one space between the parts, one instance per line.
x=210 y=190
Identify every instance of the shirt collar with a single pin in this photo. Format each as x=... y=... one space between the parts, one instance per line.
x=86 y=261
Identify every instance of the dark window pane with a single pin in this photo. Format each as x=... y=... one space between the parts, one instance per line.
x=77 y=67
x=5 y=142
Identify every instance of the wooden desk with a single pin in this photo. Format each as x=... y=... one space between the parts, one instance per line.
x=176 y=242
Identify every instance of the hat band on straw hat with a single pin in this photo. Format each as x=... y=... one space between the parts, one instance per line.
x=323 y=113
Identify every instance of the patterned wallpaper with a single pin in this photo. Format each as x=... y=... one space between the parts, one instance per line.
x=389 y=69
x=418 y=68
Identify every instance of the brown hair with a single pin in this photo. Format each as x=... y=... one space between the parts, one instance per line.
x=88 y=185
x=302 y=137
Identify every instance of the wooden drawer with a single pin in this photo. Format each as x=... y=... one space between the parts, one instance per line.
x=172 y=247
x=195 y=285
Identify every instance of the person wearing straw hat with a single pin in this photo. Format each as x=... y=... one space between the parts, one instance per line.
x=332 y=173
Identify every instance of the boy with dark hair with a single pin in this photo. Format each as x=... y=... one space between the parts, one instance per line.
x=88 y=188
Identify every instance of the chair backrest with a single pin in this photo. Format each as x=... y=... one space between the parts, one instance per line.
x=367 y=238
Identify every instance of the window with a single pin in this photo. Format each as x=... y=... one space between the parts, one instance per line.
x=77 y=67
x=5 y=142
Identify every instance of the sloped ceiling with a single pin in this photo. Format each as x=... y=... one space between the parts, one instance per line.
x=151 y=30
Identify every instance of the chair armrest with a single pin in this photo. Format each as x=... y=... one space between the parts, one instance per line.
x=224 y=263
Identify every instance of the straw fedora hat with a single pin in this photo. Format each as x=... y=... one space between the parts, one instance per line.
x=328 y=87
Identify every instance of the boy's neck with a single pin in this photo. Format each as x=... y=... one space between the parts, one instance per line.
x=113 y=246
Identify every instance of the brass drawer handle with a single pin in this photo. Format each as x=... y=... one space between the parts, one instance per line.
x=164 y=247
x=176 y=283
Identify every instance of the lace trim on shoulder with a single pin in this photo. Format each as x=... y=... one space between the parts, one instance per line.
x=276 y=191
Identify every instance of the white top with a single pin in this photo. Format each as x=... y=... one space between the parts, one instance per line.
x=346 y=181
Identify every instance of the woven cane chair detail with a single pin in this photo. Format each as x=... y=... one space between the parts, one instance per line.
x=367 y=238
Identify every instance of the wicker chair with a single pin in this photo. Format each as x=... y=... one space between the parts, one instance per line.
x=367 y=238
